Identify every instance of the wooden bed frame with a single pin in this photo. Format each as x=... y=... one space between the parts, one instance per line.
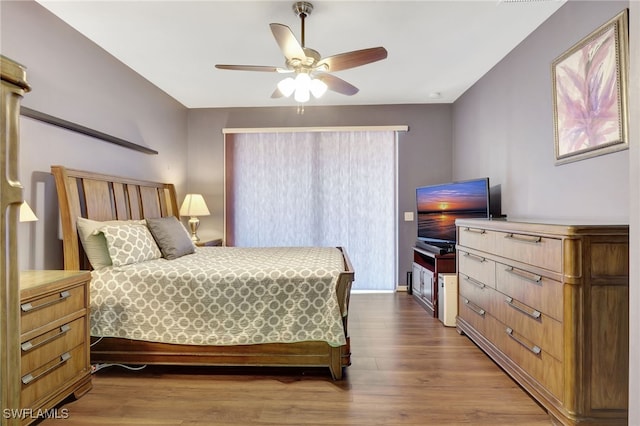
x=104 y=197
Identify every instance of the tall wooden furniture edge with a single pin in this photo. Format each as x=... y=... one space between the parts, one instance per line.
x=13 y=86
x=588 y=333
x=105 y=197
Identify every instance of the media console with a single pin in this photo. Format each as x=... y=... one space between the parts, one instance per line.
x=427 y=264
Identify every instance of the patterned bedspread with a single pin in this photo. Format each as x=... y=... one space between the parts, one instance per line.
x=222 y=296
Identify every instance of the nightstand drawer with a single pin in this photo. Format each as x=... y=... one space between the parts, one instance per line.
x=54 y=337
x=37 y=350
x=38 y=312
x=59 y=369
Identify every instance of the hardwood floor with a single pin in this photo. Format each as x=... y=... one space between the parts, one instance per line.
x=407 y=369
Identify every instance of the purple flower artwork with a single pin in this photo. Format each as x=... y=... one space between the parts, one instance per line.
x=588 y=86
x=588 y=97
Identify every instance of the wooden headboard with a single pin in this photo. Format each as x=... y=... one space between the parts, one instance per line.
x=104 y=197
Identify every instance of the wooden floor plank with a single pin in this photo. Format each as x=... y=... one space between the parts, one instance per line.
x=407 y=369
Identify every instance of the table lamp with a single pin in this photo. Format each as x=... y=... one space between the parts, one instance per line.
x=194 y=206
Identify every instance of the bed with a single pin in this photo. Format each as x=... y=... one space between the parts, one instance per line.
x=219 y=319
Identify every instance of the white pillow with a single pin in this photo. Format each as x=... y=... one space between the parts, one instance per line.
x=130 y=243
x=93 y=241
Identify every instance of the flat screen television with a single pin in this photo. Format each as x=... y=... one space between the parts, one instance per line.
x=438 y=207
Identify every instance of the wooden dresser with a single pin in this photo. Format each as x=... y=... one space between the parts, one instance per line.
x=54 y=339
x=549 y=303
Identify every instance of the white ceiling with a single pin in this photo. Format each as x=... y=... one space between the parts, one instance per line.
x=434 y=46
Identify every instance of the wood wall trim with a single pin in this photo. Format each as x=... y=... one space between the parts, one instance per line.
x=59 y=122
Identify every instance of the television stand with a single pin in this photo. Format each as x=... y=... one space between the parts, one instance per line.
x=427 y=264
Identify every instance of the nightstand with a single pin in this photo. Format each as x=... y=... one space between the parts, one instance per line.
x=210 y=243
x=54 y=338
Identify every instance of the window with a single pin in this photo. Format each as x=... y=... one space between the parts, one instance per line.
x=319 y=189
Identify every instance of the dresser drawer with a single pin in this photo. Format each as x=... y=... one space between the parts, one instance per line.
x=532 y=324
x=533 y=250
x=541 y=293
x=477 y=267
x=38 y=312
x=473 y=314
x=476 y=238
x=477 y=292
x=37 y=350
x=59 y=369
x=529 y=356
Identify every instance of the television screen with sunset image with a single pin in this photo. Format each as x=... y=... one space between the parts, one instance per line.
x=438 y=207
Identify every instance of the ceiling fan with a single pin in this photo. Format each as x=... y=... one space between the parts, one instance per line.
x=312 y=72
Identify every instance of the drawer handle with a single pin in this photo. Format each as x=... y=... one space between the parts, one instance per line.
x=26 y=307
x=475 y=231
x=473 y=281
x=475 y=257
x=474 y=308
x=534 y=314
x=524 y=238
x=29 y=378
x=524 y=274
x=27 y=346
x=535 y=349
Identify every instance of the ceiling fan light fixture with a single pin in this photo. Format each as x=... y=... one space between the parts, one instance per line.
x=287 y=86
x=317 y=88
x=303 y=83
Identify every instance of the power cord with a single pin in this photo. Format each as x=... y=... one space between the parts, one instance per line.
x=99 y=366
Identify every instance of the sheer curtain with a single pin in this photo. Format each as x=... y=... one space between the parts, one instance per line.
x=317 y=189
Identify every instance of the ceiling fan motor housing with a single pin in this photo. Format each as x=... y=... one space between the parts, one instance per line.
x=302 y=8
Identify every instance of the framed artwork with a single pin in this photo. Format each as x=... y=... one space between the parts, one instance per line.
x=590 y=94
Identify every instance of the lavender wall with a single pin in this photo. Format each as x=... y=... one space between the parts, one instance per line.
x=503 y=128
x=424 y=152
x=73 y=79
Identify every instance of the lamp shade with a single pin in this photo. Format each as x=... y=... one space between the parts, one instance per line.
x=26 y=214
x=194 y=205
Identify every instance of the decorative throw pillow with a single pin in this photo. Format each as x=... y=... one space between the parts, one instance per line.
x=131 y=243
x=93 y=241
x=172 y=237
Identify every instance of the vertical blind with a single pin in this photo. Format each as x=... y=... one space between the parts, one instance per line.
x=317 y=189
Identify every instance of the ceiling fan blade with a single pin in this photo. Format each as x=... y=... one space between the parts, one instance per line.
x=338 y=85
x=356 y=58
x=276 y=94
x=287 y=42
x=250 y=68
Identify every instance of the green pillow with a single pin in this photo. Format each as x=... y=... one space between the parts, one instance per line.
x=94 y=242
